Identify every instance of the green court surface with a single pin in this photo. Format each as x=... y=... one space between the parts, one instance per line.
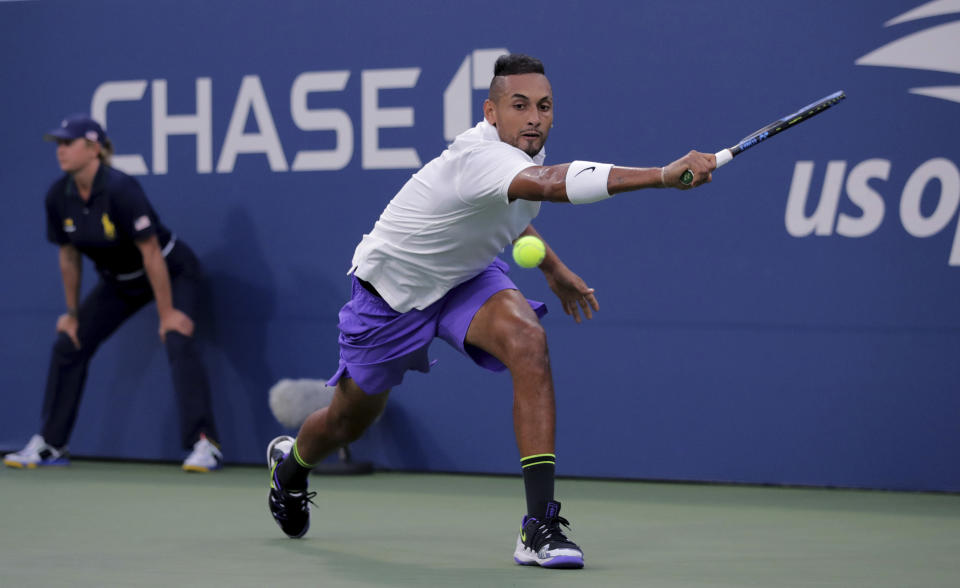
x=118 y=524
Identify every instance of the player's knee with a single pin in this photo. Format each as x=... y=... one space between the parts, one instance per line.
x=527 y=340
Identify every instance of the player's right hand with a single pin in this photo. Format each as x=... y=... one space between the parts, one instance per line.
x=701 y=164
x=68 y=324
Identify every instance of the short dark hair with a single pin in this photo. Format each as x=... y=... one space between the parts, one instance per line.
x=511 y=65
x=515 y=64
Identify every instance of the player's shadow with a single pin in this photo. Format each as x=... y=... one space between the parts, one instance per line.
x=237 y=303
x=115 y=409
x=401 y=440
x=242 y=303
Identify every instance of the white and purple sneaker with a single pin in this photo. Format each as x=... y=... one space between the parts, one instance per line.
x=542 y=543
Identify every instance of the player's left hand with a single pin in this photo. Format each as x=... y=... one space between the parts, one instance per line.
x=574 y=294
x=175 y=320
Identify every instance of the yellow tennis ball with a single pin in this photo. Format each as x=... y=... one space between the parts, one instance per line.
x=529 y=251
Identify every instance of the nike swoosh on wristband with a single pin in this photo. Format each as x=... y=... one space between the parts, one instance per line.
x=590 y=169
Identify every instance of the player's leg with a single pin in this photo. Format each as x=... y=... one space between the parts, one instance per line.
x=378 y=345
x=99 y=315
x=350 y=413
x=507 y=328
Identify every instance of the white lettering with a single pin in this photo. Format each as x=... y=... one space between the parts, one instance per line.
x=332 y=119
x=251 y=98
x=866 y=198
x=910 y=214
x=200 y=124
x=475 y=73
x=376 y=118
x=821 y=221
x=456 y=102
x=106 y=93
x=871 y=202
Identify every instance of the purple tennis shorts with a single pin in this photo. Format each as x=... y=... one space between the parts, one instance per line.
x=378 y=344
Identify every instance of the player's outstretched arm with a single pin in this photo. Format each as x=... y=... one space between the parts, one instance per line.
x=581 y=182
x=574 y=294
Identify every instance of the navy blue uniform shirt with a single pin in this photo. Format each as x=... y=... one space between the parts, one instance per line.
x=107 y=226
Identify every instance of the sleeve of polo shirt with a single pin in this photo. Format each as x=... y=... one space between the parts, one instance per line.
x=134 y=215
x=55 y=232
x=486 y=172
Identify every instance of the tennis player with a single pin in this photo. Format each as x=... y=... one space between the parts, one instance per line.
x=98 y=211
x=430 y=268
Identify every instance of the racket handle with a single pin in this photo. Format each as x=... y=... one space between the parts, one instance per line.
x=723 y=158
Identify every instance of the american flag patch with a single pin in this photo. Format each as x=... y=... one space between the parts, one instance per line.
x=141 y=223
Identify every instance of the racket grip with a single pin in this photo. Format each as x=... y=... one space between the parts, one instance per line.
x=723 y=158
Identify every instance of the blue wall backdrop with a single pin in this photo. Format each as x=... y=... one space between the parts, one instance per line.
x=796 y=321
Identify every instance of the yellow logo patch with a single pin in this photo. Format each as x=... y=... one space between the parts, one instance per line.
x=68 y=226
x=109 y=230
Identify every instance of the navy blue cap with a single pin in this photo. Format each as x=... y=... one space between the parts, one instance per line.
x=76 y=126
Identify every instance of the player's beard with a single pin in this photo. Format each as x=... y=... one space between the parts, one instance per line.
x=529 y=145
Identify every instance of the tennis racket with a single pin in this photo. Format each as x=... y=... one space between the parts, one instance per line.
x=777 y=126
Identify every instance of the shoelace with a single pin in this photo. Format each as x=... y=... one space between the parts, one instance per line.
x=549 y=532
x=302 y=498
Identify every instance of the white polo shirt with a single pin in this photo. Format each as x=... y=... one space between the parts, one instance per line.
x=448 y=222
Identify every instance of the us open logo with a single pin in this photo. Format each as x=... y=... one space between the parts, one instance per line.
x=933 y=49
x=937 y=49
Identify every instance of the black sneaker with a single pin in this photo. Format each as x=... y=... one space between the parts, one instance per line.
x=291 y=509
x=542 y=543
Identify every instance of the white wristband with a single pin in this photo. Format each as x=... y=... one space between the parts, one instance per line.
x=587 y=182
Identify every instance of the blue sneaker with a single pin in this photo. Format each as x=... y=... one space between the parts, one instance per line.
x=291 y=509
x=542 y=543
x=37 y=454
